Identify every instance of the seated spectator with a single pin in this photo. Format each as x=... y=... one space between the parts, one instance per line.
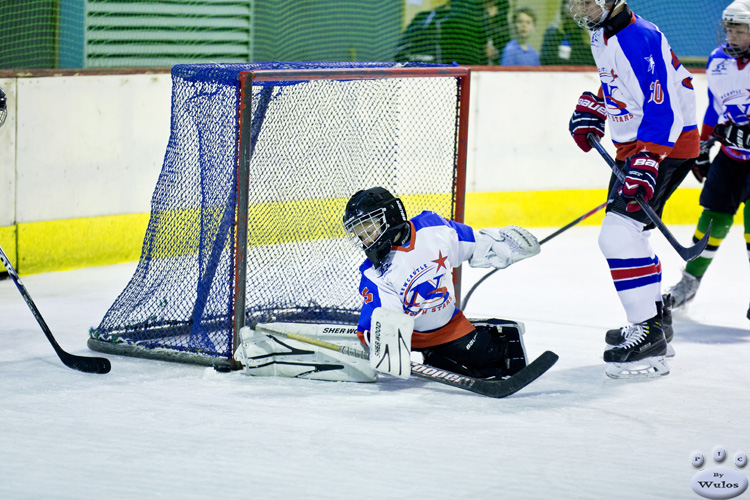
x=565 y=43
x=518 y=52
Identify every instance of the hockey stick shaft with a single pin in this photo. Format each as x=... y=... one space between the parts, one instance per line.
x=687 y=253
x=567 y=226
x=490 y=388
x=349 y=351
x=85 y=364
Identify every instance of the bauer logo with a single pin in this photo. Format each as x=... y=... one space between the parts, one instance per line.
x=718 y=483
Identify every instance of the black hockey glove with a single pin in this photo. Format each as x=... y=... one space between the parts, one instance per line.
x=703 y=162
x=589 y=117
x=641 y=170
x=733 y=135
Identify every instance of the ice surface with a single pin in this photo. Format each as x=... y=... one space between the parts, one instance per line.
x=152 y=429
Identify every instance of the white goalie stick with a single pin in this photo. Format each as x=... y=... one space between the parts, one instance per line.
x=86 y=364
x=491 y=388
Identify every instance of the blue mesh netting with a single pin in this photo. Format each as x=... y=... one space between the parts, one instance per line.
x=314 y=144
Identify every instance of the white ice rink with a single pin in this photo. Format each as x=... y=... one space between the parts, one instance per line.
x=152 y=429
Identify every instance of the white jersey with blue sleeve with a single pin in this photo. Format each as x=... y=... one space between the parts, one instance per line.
x=648 y=93
x=728 y=96
x=417 y=279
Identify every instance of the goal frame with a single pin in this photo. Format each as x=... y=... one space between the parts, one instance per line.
x=246 y=144
x=252 y=88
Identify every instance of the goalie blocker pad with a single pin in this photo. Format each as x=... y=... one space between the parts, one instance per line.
x=390 y=342
x=276 y=356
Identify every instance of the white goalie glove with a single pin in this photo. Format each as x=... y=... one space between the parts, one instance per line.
x=501 y=247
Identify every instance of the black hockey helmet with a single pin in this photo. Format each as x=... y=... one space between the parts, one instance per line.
x=373 y=220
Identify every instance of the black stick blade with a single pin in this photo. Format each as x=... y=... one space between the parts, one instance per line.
x=85 y=364
x=694 y=252
x=490 y=388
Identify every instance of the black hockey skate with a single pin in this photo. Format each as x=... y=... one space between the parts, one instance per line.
x=641 y=354
x=664 y=308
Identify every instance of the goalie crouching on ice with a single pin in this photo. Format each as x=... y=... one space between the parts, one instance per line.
x=409 y=302
x=409 y=269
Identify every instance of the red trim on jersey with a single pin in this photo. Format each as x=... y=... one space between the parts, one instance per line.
x=687 y=146
x=706 y=132
x=412 y=238
x=456 y=328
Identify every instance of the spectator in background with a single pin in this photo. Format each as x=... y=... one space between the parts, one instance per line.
x=496 y=26
x=518 y=52
x=565 y=43
x=463 y=35
x=454 y=32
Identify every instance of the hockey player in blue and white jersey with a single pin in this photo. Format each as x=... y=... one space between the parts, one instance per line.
x=409 y=269
x=728 y=120
x=647 y=96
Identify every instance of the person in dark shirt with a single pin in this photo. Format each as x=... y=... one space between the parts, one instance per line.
x=497 y=28
x=566 y=43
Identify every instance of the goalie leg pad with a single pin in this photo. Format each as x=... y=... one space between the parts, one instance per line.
x=513 y=332
x=494 y=349
x=268 y=356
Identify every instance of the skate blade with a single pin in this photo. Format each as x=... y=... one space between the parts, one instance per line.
x=670 y=351
x=644 y=369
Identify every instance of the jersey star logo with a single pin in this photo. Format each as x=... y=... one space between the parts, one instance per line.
x=651 y=63
x=440 y=261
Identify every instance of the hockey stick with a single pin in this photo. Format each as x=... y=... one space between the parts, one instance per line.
x=567 y=226
x=688 y=253
x=491 y=388
x=85 y=364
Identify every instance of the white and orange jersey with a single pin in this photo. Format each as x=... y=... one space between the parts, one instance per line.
x=648 y=93
x=417 y=279
x=728 y=96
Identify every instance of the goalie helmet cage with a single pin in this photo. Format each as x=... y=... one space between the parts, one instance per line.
x=246 y=216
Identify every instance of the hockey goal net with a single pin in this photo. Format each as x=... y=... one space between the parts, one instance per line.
x=245 y=222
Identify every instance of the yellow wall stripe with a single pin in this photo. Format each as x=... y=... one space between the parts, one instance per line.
x=94 y=241
x=74 y=243
x=8 y=242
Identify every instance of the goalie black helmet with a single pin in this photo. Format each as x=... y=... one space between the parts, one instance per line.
x=736 y=22
x=373 y=220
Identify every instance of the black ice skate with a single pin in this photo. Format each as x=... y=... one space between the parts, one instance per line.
x=641 y=354
x=617 y=336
